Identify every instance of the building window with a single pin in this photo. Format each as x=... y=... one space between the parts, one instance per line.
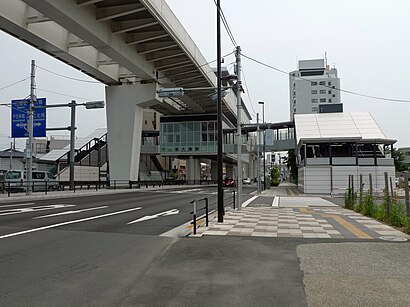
x=314 y=109
x=314 y=91
x=314 y=100
x=313 y=83
x=322 y=99
x=330 y=100
x=333 y=95
x=322 y=83
x=322 y=91
x=329 y=92
x=329 y=83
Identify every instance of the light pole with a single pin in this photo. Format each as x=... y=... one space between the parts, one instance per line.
x=264 y=162
x=219 y=113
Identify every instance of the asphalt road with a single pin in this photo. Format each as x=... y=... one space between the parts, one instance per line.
x=87 y=251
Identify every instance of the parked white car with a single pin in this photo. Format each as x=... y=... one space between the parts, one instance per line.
x=246 y=181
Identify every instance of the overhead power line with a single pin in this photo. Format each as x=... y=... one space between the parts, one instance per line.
x=226 y=25
x=7 y=86
x=67 y=77
x=327 y=86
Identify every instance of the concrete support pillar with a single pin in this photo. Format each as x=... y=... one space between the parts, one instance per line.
x=214 y=171
x=252 y=167
x=193 y=170
x=245 y=169
x=125 y=104
x=229 y=171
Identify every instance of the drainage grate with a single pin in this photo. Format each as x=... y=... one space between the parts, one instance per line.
x=259 y=205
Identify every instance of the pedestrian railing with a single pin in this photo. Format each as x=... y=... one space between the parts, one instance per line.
x=197 y=209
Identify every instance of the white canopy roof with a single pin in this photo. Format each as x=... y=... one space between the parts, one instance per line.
x=338 y=127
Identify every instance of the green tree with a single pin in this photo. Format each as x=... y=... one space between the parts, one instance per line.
x=290 y=161
x=275 y=176
x=399 y=158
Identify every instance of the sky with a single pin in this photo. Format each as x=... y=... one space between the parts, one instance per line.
x=367 y=41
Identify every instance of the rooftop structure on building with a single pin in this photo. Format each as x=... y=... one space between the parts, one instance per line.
x=313 y=88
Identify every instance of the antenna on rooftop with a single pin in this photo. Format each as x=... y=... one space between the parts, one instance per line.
x=325 y=59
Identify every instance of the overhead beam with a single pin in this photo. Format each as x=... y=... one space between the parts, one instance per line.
x=87 y=2
x=170 y=64
x=155 y=46
x=132 y=25
x=111 y=12
x=163 y=55
x=138 y=38
x=82 y=23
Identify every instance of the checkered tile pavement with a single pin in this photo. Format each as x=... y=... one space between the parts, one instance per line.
x=334 y=222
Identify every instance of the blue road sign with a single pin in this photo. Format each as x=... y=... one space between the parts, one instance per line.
x=19 y=118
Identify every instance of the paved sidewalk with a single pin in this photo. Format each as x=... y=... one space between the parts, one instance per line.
x=299 y=217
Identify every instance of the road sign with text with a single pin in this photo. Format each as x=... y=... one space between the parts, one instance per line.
x=19 y=118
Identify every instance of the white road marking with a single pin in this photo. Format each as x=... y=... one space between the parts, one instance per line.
x=67 y=223
x=33 y=209
x=249 y=201
x=275 y=202
x=69 y=212
x=150 y=217
x=187 y=191
x=17 y=205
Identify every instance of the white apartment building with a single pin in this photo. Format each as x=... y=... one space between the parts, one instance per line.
x=313 y=88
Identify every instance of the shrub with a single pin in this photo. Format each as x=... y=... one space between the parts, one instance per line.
x=397 y=214
x=406 y=224
x=379 y=212
x=350 y=199
x=368 y=206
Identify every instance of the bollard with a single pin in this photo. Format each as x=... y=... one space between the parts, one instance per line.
x=8 y=189
x=206 y=211
x=194 y=216
x=115 y=185
x=233 y=192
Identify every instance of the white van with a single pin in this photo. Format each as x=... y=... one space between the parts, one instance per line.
x=16 y=181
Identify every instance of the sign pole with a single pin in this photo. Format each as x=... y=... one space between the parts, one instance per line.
x=29 y=144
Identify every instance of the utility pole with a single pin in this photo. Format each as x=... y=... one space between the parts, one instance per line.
x=257 y=154
x=73 y=104
x=238 y=124
x=29 y=144
x=219 y=113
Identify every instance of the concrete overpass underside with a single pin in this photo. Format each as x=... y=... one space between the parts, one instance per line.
x=134 y=47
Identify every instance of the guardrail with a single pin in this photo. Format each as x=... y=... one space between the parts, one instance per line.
x=195 y=211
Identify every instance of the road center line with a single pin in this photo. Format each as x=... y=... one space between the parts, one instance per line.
x=67 y=223
x=17 y=205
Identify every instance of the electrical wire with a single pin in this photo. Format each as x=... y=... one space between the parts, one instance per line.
x=247 y=92
x=70 y=78
x=62 y=94
x=7 y=86
x=327 y=86
x=226 y=25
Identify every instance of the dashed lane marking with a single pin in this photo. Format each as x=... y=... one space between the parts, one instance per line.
x=69 y=212
x=67 y=223
x=33 y=209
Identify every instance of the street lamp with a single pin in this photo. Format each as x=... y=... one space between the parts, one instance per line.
x=264 y=163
